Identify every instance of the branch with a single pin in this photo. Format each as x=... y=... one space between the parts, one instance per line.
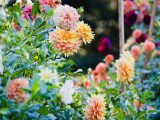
x=121 y=25
x=152 y=19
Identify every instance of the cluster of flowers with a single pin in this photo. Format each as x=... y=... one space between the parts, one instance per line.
x=95 y=109
x=96 y=105
x=141 y=44
x=124 y=69
x=136 y=11
x=70 y=33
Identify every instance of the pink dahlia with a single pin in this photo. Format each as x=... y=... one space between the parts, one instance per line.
x=26 y=12
x=148 y=46
x=50 y=3
x=65 y=42
x=100 y=73
x=109 y=58
x=14 y=90
x=66 y=17
x=128 y=6
x=135 y=51
x=136 y=33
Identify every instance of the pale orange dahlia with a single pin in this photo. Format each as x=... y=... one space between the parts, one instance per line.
x=14 y=89
x=125 y=70
x=85 y=32
x=65 y=42
x=95 y=109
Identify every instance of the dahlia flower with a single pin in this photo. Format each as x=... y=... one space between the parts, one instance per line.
x=136 y=33
x=66 y=92
x=85 y=32
x=104 y=45
x=66 y=17
x=128 y=6
x=130 y=18
x=101 y=67
x=26 y=12
x=135 y=51
x=141 y=38
x=136 y=104
x=47 y=75
x=65 y=42
x=125 y=68
x=108 y=59
x=100 y=73
x=50 y=3
x=14 y=90
x=95 y=109
x=146 y=19
x=148 y=46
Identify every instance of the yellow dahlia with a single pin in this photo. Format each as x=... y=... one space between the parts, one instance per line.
x=125 y=67
x=95 y=109
x=85 y=32
x=65 y=42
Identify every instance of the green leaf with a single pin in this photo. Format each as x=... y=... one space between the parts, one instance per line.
x=35 y=8
x=102 y=84
x=37 y=23
x=131 y=110
x=4 y=111
x=43 y=110
x=111 y=91
x=120 y=116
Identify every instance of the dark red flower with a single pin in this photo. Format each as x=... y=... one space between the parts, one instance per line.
x=147 y=19
x=104 y=45
x=142 y=38
x=130 y=18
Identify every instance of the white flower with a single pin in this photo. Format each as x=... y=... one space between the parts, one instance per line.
x=66 y=92
x=47 y=75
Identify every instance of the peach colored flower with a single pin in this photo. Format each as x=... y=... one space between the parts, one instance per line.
x=65 y=42
x=50 y=3
x=100 y=73
x=148 y=46
x=66 y=17
x=14 y=90
x=136 y=33
x=109 y=59
x=136 y=104
x=101 y=67
x=85 y=32
x=26 y=12
x=128 y=6
x=95 y=109
x=125 y=68
x=135 y=51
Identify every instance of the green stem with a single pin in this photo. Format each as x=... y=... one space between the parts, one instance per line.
x=25 y=104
